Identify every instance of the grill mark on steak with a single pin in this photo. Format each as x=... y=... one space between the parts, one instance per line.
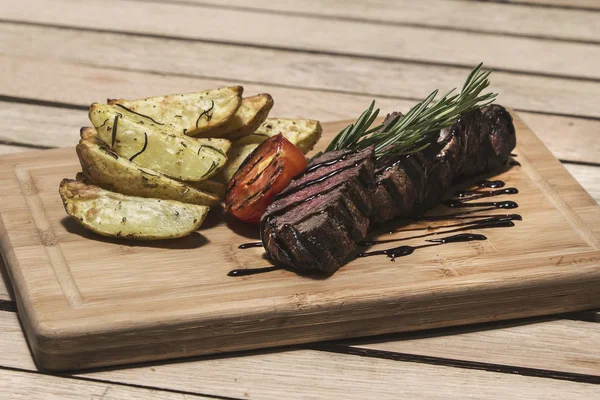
x=319 y=180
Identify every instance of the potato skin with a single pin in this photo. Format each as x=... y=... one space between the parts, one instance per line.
x=252 y=113
x=191 y=113
x=116 y=215
x=108 y=170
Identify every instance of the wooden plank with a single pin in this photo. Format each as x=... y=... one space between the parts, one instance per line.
x=588 y=177
x=7 y=149
x=479 y=16
x=64 y=302
x=82 y=85
x=308 y=34
x=40 y=125
x=376 y=78
x=557 y=345
x=574 y=139
x=566 y=4
x=300 y=374
x=17 y=385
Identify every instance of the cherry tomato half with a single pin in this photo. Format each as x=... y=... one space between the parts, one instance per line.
x=266 y=172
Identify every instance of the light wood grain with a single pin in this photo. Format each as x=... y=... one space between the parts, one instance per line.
x=375 y=78
x=301 y=374
x=478 y=16
x=304 y=33
x=17 y=385
x=76 y=320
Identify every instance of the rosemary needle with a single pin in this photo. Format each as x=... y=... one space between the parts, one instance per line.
x=412 y=131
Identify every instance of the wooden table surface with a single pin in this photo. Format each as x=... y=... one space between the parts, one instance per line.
x=324 y=60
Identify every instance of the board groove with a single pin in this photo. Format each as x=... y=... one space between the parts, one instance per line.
x=561 y=205
x=48 y=239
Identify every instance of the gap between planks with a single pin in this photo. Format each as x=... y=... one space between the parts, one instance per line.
x=417 y=45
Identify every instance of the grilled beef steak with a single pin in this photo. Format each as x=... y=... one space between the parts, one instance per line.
x=314 y=224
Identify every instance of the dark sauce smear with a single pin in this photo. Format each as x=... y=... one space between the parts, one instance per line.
x=402 y=251
x=250 y=245
x=252 y=271
x=490 y=184
x=505 y=221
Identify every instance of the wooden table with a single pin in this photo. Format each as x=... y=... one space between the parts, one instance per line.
x=324 y=60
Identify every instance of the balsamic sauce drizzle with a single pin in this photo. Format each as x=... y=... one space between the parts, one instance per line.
x=402 y=251
x=495 y=204
x=486 y=223
x=469 y=222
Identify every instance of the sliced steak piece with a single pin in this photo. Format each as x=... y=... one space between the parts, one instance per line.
x=314 y=224
x=406 y=186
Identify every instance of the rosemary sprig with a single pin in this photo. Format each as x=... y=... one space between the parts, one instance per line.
x=412 y=131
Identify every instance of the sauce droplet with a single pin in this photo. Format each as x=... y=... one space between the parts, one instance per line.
x=250 y=245
x=490 y=184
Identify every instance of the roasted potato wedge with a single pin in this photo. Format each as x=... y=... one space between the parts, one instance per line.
x=304 y=133
x=140 y=140
x=117 y=215
x=251 y=114
x=110 y=171
x=192 y=113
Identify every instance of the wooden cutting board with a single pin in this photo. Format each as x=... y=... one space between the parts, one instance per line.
x=87 y=301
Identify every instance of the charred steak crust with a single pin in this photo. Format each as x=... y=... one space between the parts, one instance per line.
x=480 y=141
x=315 y=223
